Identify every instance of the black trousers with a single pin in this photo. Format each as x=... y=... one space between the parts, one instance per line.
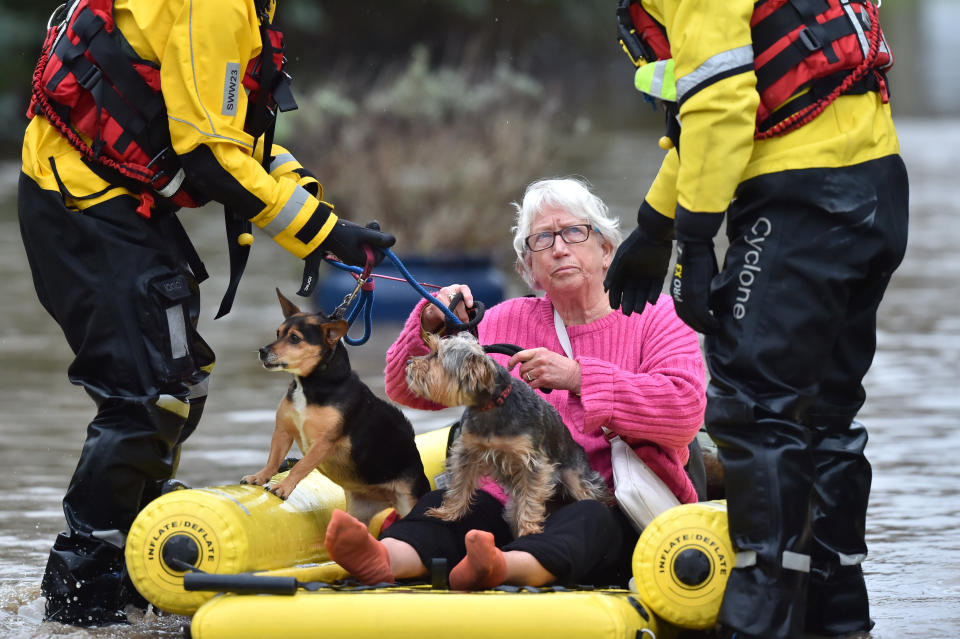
x=583 y=542
x=119 y=288
x=811 y=254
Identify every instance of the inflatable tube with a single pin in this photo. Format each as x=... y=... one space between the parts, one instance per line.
x=682 y=562
x=422 y=612
x=225 y=529
x=241 y=528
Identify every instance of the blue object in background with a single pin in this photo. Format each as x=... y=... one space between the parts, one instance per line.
x=393 y=301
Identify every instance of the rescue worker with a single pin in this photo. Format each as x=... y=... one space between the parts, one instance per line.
x=785 y=128
x=138 y=108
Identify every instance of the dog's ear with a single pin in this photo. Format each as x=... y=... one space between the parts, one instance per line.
x=289 y=308
x=333 y=331
x=476 y=373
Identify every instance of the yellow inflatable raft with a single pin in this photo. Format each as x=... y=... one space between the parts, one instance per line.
x=246 y=542
x=421 y=612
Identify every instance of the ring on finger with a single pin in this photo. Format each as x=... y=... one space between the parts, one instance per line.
x=529 y=378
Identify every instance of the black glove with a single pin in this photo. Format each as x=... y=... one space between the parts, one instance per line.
x=696 y=267
x=637 y=271
x=346 y=240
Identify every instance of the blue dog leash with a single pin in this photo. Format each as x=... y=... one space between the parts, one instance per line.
x=364 y=288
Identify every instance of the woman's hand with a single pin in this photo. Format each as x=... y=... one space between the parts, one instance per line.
x=542 y=368
x=432 y=318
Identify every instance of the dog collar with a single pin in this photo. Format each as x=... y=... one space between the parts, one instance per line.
x=499 y=399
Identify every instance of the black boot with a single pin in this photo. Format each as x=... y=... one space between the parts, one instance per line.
x=837 y=595
x=838 y=607
x=83 y=582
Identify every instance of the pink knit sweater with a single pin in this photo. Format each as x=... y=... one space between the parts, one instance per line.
x=642 y=377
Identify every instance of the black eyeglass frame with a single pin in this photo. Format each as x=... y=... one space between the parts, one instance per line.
x=553 y=239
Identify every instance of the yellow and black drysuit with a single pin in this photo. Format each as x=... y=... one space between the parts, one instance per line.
x=112 y=266
x=817 y=222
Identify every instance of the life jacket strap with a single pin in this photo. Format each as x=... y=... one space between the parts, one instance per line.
x=808 y=43
x=239 y=254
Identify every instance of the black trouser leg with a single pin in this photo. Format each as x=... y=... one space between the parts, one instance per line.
x=803 y=244
x=768 y=479
x=583 y=542
x=129 y=444
x=837 y=595
x=197 y=399
x=128 y=307
x=838 y=602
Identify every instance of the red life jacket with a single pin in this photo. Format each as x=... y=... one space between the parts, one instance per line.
x=806 y=54
x=106 y=101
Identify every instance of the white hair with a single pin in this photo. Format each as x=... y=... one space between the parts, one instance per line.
x=571 y=195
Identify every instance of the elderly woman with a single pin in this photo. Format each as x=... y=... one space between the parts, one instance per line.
x=641 y=377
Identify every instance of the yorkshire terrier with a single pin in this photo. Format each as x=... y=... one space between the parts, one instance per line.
x=508 y=432
x=361 y=442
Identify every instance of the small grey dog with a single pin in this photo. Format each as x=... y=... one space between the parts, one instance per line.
x=508 y=432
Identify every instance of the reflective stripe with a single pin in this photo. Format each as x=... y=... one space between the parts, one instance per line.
x=280 y=160
x=173 y=405
x=174 y=185
x=795 y=561
x=199 y=390
x=885 y=50
x=745 y=559
x=789 y=560
x=714 y=68
x=851 y=560
x=288 y=213
x=657 y=80
x=177 y=329
x=209 y=134
x=855 y=21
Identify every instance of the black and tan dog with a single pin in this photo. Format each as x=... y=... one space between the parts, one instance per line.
x=361 y=442
x=508 y=433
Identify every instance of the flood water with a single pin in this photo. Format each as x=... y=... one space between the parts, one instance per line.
x=912 y=411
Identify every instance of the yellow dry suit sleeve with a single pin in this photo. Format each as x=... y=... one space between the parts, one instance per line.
x=712 y=51
x=202 y=67
x=662 y=195
x=283 y=165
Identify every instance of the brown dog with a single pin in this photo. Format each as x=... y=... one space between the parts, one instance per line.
x=508 y=432
x=361 y=442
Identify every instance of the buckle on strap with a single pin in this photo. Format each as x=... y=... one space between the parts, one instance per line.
x=90 y=78
x=810 y=40
x=169 y=174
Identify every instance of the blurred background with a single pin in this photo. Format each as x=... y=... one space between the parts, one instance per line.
x=424 y=114
x=432 y=116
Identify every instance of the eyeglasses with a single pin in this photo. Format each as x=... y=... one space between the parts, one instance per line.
x=571 y=235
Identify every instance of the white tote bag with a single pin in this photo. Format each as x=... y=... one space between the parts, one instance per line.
x=641 y=494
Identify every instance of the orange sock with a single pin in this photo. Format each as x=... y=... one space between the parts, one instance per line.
x=351 y=545
x=484 y=566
